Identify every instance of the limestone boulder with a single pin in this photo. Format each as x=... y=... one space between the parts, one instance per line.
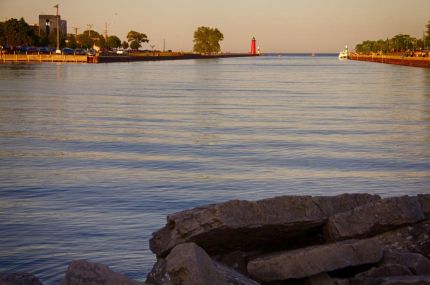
x=19 y=278
x=246 y=225
x=413 y=238
x=234 y=277
x=425 y=204
x=82 y=272
x=385 y=271
x=374 y=218
x=396 y=263
x=188 y=264
x=393 y=280
x=407 y=280
x=314 y=260
x=323 y=279
x=415 y=262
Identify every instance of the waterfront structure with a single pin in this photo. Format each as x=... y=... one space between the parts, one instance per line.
x=344 y=54
x=416 y=61
x=253 y=46
x=48 y=24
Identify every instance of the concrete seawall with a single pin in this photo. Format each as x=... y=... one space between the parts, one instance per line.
x=155 y=57
x=110 y=58
x=389 y=59
x=43 y=58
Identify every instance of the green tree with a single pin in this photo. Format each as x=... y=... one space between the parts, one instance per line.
x=113 y=42
x=71 y=41
x=206 y=40
x=427 y=38
x=124 y=45
x=136 y=39
x=2 y=34
x=17 y=32
x=398 y=43
x=403 y=42
x=90 y=37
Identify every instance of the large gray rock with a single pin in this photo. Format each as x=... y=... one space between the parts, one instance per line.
x=407 y=280
x=18 y=278
x=413 y=238
x=246 y=225
x=398 y=264
x=374 y=218
x=188 y=264
x=393 y=280
x=234 y=277
x=385 y=271
x=322 y=279
x=425 y=203
x=415 y=262
x=310 y=261
x=82 y=272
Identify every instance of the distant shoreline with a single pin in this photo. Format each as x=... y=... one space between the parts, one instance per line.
x=392 y=59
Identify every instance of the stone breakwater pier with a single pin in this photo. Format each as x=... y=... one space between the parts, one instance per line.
x=111 y=58
x=393 y=59
x=347 y=239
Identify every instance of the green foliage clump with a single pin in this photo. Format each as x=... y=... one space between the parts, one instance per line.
x=399 y=43
x=136 y=39
x=15 y=33
x=206 y=40
x=113 y=42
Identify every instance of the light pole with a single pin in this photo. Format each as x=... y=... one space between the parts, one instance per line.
x=107 y=24
x=90 y=26
x=58 y=30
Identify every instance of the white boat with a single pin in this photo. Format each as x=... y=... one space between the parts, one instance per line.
x=344 y=54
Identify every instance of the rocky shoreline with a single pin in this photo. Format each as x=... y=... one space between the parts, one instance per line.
x=339 y=240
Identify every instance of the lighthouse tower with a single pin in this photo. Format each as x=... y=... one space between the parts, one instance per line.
x=253 y=46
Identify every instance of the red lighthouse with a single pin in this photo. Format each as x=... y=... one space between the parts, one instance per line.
x=253 y=46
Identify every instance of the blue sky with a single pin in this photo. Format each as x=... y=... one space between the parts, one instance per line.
x=278 y=25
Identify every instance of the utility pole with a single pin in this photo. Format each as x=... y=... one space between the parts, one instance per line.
x=58 y=30
x=90 y=26
x=76 y=30
x=107 y=23
x=106 y=30
x=164 y=45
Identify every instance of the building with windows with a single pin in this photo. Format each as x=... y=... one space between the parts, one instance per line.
x=48 y=25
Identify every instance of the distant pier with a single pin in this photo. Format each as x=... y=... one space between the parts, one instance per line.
x=393 y=59
x=112 y=58
x=43 y=58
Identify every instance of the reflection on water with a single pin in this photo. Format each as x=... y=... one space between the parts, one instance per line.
x=93 y=157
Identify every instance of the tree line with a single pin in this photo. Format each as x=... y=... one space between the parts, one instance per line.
x=17 y=32
x=399 y=43
x=14 y=33
x=89 y=38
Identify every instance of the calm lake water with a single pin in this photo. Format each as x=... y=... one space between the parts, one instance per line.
x=93 y=157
